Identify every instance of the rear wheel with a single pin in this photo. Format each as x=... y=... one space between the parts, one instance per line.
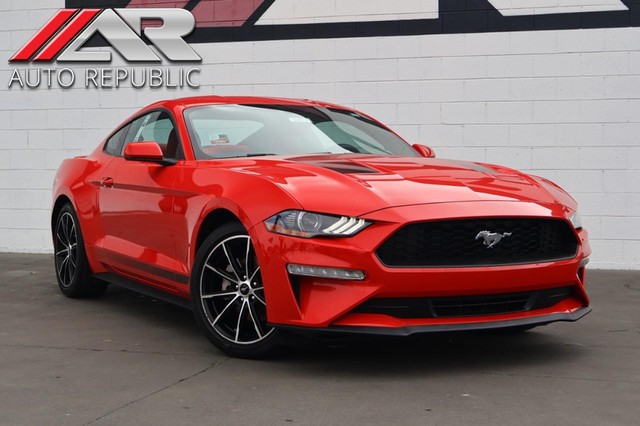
x=227 y=295
x=72 y=268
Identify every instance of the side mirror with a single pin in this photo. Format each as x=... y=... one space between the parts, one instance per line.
x=146 y=151
x=425 y=151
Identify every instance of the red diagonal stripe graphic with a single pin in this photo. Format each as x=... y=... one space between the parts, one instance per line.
x=210 y=13
x=67 y=34
x=157 y=3
x=227 y=13
x=42 y=36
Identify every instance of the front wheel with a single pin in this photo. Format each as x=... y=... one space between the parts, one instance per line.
x=227 y=295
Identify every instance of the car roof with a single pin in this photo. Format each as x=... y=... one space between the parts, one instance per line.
x=222 y=100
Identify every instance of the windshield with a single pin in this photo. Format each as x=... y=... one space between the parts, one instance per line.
x=225 y=131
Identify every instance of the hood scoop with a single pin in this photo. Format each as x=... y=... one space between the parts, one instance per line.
x=344 y=167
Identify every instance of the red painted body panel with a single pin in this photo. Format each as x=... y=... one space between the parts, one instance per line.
x=141 y=200
x=142 y=220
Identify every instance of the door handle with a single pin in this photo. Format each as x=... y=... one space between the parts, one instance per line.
x=107 y=182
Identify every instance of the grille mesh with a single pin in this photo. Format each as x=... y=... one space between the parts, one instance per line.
x=453 y=243
x=461 y=306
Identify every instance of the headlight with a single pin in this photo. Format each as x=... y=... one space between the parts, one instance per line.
x=576 y=221
x=307 y=225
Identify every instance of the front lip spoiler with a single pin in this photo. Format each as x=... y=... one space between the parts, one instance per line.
x=442 y=328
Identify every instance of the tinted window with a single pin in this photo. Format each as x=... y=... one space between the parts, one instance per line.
x=114 y=144
x=154 y=127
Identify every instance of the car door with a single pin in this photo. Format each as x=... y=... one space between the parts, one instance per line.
x=136 y=206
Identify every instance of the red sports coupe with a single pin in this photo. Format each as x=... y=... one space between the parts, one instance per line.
x=264 y=215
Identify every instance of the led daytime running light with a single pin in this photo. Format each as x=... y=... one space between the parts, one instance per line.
x=324 y=272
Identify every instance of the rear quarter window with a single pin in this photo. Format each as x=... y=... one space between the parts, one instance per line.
x=114 y=144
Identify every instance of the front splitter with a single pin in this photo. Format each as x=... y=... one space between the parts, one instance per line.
x=443 y=328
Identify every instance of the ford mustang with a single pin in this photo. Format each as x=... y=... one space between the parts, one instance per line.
x=266 y=216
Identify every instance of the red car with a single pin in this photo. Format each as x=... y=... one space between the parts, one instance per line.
x=264 y=215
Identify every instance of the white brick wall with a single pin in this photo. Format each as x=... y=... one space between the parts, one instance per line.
x=561 y=104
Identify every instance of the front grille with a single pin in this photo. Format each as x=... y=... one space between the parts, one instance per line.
x=462 y=306
x=453 y=243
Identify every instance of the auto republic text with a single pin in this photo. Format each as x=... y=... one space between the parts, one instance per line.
x=104 y=78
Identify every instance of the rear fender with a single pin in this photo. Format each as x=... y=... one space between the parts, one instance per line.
x=78 y=180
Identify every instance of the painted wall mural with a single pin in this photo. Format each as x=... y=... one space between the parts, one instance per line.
x=244 y=20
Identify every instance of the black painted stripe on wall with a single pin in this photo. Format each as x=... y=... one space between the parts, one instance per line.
x=99 y=4
x=455 y=17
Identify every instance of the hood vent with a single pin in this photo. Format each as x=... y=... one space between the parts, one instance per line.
x=344 y=167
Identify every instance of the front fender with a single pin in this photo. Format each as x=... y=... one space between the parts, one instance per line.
x=206 y=190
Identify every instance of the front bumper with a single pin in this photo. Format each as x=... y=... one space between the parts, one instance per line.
x=317 y=303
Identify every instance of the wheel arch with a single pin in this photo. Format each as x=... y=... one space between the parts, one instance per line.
x=236 y=204
x=213 y=220
x=57 y=206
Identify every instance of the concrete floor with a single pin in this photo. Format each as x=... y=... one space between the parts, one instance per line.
x=127 y=359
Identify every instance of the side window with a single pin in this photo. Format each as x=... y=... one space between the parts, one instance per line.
x=156 y=127
x=114 y=144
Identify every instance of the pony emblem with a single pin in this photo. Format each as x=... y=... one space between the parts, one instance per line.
x=491 y=238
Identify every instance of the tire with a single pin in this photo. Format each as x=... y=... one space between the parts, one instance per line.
x=227 y=295
x=70 y=259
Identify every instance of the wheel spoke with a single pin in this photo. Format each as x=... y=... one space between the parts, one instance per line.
x=232 y=261
x=70 y=270
x=244 y=302
x=60 y=269
x=65 y=250
x=246 y=258
x=60 y=237
x=215 y=321
x=258 y=298
x=211 y=296
x=253 y=319
x=65 y=228
x=63 y=272
x=223 y=274
x=62 y=264
x=63 y=221
x=254 y=274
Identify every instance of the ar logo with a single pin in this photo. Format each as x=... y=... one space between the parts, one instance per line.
x=64 y=35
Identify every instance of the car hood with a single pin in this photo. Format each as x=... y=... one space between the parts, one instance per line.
x=359 y=184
